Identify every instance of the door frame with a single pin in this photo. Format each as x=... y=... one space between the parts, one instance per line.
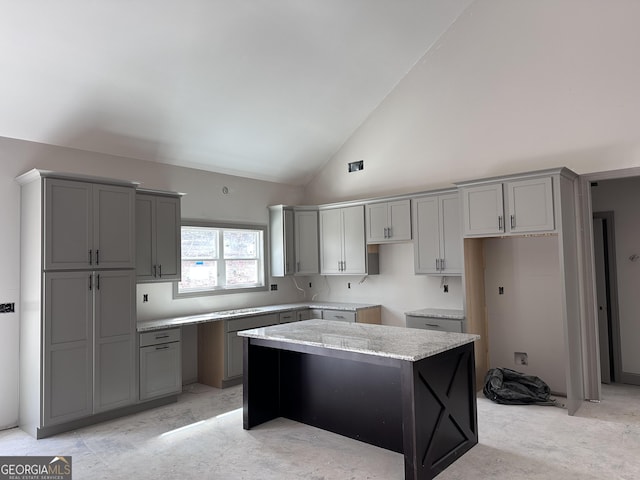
x=612 y=298
x=591 y=346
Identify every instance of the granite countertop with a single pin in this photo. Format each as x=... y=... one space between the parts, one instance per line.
x=155 y=324
x=446 y=313
x=379 y=340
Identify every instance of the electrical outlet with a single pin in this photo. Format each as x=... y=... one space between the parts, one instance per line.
x=7 y=307
x=520 y=358
x=445 y=288
x=145 y=297
x=348 y=284
x=500 y=290
x=274 y=287
x=309 y=284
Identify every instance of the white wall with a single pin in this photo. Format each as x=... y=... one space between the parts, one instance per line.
x=623 y=198
x=246 y=202
x=528 y=316
x=513 y=86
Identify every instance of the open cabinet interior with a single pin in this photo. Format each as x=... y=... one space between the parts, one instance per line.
x=514 y=301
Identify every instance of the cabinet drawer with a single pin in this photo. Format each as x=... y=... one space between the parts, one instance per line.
x=430 y=323
x=339 y=315
x=159 y=336
x=286 y=317
x=252 y=322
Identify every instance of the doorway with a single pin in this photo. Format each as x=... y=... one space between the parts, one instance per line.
x=606 y=296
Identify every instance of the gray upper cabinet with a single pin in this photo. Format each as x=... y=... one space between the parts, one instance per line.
x=523 y=205
x=282 y=243
x=438 y=239
x=306 y=242
x=293 y=240
x=530 y=205
x=342 y=241
x=88 y=225
x=389 y=222
x=158 y=246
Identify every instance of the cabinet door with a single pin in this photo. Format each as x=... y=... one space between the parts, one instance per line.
x=68 y=348
x=67 y=225
x=330 y=241
x=450 y=235
x=399 y=220
x=168 y=245
x=483 y=211
x=530 y=205
x=306 y=240
x=145 y=238
x=377 y=223
x=354 y=246
x=426 y=247
x=115 y=329
x=234 y=355
x=160 y=370
x=113 y=226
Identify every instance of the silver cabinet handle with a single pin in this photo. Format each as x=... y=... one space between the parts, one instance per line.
x=432 y=325
x=97 y=257
x=513 y=221
x=90 y=257
x=90 y=282
x=160 y=270
x=437 y=264
x=442 y=264
x=162 y=347
x=499 y=222
x=389 y=232
x=98 y=282
x=158 y=337
x=155 y=270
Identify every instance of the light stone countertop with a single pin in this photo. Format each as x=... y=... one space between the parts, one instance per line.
x=401 y=343
x=231 y=314
x=450 y=314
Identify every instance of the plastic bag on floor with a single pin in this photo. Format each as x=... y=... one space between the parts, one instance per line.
x=506 y=386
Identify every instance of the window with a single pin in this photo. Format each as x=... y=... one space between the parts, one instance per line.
x=221 y=259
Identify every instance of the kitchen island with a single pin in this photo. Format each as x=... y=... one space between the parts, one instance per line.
x=406 y=390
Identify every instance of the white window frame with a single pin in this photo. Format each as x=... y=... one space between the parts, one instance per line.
x=221 y=288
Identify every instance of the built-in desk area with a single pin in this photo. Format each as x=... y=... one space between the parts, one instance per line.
x=407 y=390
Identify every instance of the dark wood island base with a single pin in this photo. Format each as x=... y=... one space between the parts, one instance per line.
x=424 y=409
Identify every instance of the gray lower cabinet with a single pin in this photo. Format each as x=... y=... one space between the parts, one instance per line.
x=89 y=343
x=234 y=342
x=160 y=363
x=433 y=323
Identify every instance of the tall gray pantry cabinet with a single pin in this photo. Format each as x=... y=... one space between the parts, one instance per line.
x=78 y=324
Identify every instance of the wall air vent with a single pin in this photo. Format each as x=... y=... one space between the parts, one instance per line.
x=356 y=166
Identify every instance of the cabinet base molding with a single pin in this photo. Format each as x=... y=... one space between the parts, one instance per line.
x=44 y=432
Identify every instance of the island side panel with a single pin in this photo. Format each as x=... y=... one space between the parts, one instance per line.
x=357 y=399
x=261 y=384
x=439 y=411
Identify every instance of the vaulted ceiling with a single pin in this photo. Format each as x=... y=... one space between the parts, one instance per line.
x=266 y=89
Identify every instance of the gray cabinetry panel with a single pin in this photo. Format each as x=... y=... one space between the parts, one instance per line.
x=158 y=249
x=160 y=370
x=68 y=348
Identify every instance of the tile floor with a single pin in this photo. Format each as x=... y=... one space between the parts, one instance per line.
x=201 y=436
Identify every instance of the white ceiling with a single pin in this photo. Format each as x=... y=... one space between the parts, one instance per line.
x=266 y=89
